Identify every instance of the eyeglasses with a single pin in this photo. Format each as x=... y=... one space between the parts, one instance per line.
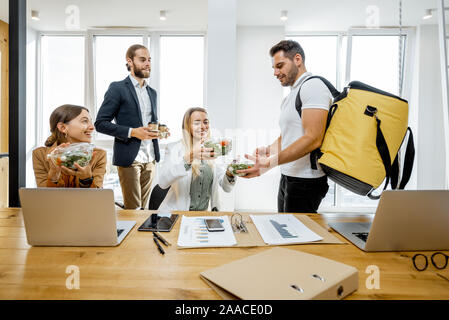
x=438 y=259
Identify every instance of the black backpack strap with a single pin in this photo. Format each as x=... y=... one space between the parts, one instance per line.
x=382 y=147
x=392 y=171
x=315 y=154
x=408 y=160
x=395 y=173
x=332 y=89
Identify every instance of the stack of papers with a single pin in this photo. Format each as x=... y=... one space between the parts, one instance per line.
x=278 y=229
x=193 y=233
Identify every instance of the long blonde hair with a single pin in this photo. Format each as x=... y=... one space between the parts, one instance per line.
x=187 y=138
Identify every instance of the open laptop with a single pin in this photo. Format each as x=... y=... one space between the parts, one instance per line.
x=405 y=220
x=72 y=217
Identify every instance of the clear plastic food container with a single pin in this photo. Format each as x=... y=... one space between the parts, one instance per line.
x=80 y=153
x=239 y=165
x=221 y=146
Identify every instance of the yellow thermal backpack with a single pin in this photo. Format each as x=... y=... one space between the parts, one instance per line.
x=364 y=132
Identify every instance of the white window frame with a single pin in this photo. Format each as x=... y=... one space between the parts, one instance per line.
x=89 y=65
x=39 y=102
x=407 y=75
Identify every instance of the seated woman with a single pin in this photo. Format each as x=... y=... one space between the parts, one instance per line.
x=69 y=124
x=190 y=171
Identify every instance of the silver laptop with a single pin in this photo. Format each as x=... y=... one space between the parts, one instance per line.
x=72 y=217
x=405 y=220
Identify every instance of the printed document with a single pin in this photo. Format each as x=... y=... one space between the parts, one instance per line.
x=193 y=233
x=277 y=229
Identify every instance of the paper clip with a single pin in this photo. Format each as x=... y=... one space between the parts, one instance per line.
x=238 y=226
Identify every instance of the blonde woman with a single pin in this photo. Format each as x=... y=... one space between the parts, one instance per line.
x=191 y=170
x=69 y=124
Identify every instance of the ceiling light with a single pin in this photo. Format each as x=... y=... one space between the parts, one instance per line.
x=427 y=14
x=35 y=15
x=284 y=15
x=162 y=15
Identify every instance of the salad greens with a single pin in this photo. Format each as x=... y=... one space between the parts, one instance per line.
x=221 y=146
x=233 y=167
x=80 y=153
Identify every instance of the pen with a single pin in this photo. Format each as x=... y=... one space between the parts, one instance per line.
x=158 y=245
x=157 y=235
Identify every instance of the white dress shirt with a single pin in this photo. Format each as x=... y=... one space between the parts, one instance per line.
x=146 y=151
x=172 y=173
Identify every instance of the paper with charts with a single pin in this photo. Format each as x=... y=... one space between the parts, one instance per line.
x=277 y=229
x=193 y=233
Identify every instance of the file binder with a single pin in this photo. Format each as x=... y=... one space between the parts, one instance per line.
x=283 y=274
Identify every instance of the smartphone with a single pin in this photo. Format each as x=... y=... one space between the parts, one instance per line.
x=213 y=225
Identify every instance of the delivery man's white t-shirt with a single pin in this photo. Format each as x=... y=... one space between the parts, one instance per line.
x=314 y=95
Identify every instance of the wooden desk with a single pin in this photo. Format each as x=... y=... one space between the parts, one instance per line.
x=136 y=270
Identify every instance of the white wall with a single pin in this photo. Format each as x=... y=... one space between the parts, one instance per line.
x=430 y=143
x=220 y=74
x=259 y=97
x=221 y=63
x=243 y=99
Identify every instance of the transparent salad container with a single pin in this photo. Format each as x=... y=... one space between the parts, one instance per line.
x=239 y=165
x=221 y=146
x=80 y=153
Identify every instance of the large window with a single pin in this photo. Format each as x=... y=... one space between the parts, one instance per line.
x=182 y=73
x=320 y=55
x=180 y=83
x=62 y=75
x=377 y=67
x=380 y=69
x=110 y=65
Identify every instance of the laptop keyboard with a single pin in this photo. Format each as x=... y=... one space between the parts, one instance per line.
x=119 y=232
x=361 y=235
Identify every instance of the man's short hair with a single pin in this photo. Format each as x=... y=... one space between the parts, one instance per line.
x=290 y=48
x=131 y=53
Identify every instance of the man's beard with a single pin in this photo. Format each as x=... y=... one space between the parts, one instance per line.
x=291 y=77
x=140 y=73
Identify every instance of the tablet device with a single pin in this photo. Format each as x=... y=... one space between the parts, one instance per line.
x=161 y=222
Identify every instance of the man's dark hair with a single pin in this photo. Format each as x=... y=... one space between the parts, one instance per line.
x=131 y=53
x=290 y=48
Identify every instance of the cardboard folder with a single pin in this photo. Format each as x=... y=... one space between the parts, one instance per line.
x=252 y=238
x=282 y=274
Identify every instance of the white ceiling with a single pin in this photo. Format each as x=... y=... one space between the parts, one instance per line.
x=303 y=15
x=324 y=15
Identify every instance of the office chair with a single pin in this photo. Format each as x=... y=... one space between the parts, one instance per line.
x=157 y=196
